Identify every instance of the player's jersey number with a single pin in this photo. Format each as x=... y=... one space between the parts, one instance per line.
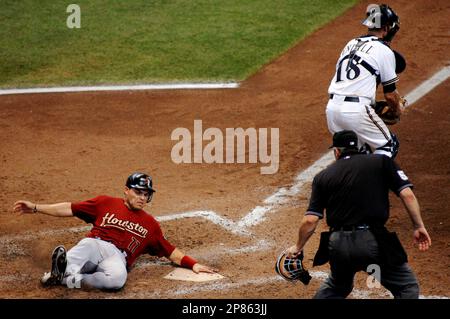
x=134 y=243
x=352 y=69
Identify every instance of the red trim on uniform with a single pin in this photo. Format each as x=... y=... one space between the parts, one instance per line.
x=188 y=262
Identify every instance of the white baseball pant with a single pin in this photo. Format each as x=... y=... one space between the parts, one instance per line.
x=361 y=118
x=95 y=263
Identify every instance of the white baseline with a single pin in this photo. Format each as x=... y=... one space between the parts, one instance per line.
x=139 y=87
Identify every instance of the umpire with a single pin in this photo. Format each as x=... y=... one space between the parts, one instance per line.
x=354 y=191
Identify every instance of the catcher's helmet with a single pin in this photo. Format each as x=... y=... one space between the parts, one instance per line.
x=141 y=181
x=379 y=16
x=292 y=269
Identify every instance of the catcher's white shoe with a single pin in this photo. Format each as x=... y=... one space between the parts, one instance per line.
x=59 y=263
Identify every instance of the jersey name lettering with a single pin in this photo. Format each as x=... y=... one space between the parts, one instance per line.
x=361 y=46
x=109 y=220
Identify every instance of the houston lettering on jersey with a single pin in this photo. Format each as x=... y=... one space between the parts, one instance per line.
x=135 y=228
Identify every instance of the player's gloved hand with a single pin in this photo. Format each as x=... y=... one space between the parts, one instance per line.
x=197 y=268
x=388 y=114
x=403 y=103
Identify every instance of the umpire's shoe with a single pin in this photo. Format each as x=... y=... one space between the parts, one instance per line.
x=59 y=263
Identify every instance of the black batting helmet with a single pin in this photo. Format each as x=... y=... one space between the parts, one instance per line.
x=141 y=181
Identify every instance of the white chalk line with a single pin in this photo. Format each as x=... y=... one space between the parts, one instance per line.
x=213 y=217
x=428 y=85
x=139 y=87
x=280 y=197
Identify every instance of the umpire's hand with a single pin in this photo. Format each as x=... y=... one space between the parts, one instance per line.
x=293 y=251
x=422 y=239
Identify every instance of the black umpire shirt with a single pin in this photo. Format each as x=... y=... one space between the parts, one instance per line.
x=354 y=190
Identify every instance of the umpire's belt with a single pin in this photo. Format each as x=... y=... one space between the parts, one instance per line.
x=350 y=228
x=347 y=98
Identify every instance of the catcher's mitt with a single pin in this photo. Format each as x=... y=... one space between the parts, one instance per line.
x=387 y=113
x=292 y=269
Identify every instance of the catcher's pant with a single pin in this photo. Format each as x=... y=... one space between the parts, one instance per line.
x=353 y=251
x=95 y=263
x=361 y=118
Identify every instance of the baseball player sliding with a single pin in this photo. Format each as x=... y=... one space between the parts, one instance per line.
x=122 y=231
x=364 y=63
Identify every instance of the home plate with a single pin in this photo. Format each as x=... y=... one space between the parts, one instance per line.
x=189 y=275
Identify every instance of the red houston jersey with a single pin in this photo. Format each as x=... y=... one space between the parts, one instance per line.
x=135 y=232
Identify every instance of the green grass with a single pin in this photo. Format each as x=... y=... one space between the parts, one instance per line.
x=149 y=41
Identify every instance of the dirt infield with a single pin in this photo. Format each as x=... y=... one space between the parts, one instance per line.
x=74 y=146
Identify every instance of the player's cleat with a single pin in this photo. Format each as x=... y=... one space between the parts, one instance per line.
x=59 y=263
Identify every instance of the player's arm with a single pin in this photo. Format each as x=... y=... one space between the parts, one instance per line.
x=183 y=260
x=411 y=204
x=389 y=78
x=307 y=227
x=58 y=209
x=311 y=219
x=393 y=98
x=399 y=183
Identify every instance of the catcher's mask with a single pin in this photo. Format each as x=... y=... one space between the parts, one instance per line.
x=141 y=181
x=380 y=16
x=292 y=269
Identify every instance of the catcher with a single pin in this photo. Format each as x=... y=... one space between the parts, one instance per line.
x=364 y=63
x=121 y=232
x=354 y=192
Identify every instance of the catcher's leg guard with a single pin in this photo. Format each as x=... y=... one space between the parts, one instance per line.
x=391 y=147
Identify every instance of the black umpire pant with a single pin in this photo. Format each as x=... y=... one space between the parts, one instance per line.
x=353 y=251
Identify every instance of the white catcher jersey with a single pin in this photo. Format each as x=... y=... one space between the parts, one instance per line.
x=362 y=63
